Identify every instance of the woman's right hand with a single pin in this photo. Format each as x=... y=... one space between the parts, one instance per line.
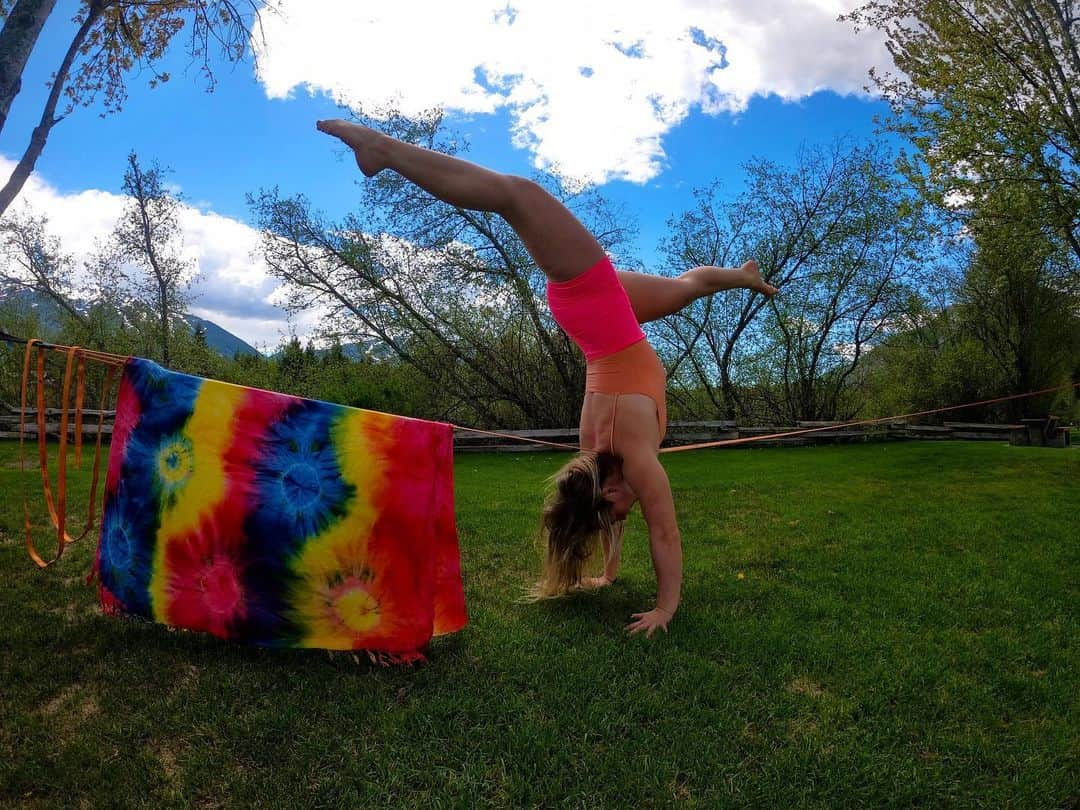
x=649 y=621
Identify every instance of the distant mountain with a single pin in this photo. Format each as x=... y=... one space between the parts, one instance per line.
x=370 y=349
x=49 y=316
x=220 y=340
x=47 y=311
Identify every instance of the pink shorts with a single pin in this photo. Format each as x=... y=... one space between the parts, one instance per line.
x=594 y=310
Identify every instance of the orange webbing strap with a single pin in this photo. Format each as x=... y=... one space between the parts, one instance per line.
x=43 y=456
x=61 y=476
x=96 y=472
x=75 y=367
x=786 y=433
x=56 y=515
x=106 y=387
x=30 y=549
x=80 y=395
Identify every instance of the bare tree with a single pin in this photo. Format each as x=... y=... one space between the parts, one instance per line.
x=836 y=235
x=821 y=333
x=90 y=299
x=452 y=292
x=32 y=261
x=148 y=241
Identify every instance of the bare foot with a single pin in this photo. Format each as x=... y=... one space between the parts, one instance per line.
x=754 y=281
x=364 y=142
x=592 y=583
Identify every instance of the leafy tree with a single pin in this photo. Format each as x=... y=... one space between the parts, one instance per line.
x=113 y=38
x=50 y=320
x=20 y=320
x=931 y=362
x=1010 y=325
x=297 y=368
x=385 y=385
x=249 y=369
x=191 y=353
x=988 y=94
x=1021 y=295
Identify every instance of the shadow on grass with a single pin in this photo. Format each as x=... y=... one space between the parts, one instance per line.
x=142 y=648
x=600 y=608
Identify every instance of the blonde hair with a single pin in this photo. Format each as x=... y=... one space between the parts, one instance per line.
x=574 y=519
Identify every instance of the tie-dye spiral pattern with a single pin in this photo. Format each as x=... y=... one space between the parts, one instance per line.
x=276 y=520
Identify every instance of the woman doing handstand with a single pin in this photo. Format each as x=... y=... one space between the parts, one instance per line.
x=624 y=413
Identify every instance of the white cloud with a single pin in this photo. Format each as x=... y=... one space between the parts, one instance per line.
x=591 y=88
x=232 y=288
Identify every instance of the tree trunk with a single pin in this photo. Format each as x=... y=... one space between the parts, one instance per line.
x=163 y=305
x=17 y=40
x=26 y=165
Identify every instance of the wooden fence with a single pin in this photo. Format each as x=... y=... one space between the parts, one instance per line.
x=9 y=423
x=679 y=433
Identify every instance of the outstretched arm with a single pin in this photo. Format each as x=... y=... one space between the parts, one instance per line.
x=649 y=480
x=637 y=445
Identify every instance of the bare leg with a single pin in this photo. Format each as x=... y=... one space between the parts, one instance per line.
x=561 y=246
x=654 y=297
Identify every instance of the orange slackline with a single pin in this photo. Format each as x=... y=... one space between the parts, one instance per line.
x=727 y=442
x=516 y=438
x=782 y=434
x=75 y=366
x=115 y=359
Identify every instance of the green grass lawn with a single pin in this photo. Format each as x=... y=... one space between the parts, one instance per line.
x=864 y=625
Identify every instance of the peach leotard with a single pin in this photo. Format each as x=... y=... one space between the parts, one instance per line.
x=594 y=309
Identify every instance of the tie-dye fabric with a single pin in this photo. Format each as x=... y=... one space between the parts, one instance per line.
x=276 y=520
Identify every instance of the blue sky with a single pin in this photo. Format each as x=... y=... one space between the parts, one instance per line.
x=646 y=111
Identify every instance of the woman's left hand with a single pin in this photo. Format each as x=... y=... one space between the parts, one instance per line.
x=649 y=622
